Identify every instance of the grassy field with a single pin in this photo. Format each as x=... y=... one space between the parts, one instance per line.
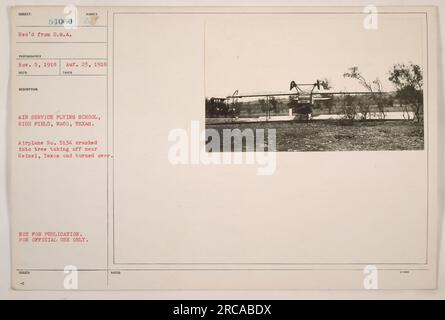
x=334 y=136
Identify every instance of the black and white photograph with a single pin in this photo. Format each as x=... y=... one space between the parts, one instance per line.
x=242 y=152
x=323 y=82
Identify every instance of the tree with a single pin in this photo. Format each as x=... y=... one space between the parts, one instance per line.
x=354 y=73
x=364 y=106
x=236 y=108
x=379 y=98
x=374 y=87
x=348 y=108
x=408 y=80
x=274 y=103
x=263 y=105
x=209 y=109
x=325 y=84
x=329 y=105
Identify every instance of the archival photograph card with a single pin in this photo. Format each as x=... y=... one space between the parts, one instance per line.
x=223 y=148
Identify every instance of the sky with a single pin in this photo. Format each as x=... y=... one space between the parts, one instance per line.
x=264 y=53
